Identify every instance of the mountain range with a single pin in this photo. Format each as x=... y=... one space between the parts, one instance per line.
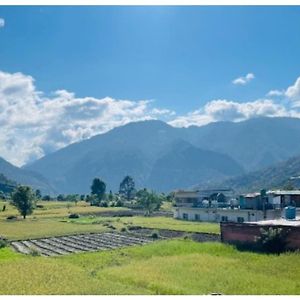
x=11 y=175
x=248 y=155
x=164 y=158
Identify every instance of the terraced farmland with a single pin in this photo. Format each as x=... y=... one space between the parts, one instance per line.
x=77 y=243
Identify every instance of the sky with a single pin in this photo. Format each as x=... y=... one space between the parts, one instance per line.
x=68 y=73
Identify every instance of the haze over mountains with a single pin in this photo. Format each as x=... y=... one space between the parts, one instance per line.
x=22 y=176
x=163 y=158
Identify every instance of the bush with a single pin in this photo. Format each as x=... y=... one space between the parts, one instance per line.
x=119 y=203
x=34 y=252
x=11 y=218
x=123 y=229
x=73 y=216
x=134 y=227
x=39 y=206
x=3 y=242
x=155 y=235
x=272 y=240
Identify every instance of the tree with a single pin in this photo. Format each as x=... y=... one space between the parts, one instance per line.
x=110 y=196
x=149 y=201
x=60 y=197
x=38 y=194
x=24 y=200
x=98 y=188
x=127 y=188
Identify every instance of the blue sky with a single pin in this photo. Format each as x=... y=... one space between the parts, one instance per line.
x=180 y=56
x=181 y=60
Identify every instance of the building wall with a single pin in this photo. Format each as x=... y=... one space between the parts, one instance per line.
x=216 y=214
x=243 y=233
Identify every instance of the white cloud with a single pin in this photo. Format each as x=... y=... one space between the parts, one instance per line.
x=293 y=92
x=2 y=22
x=226 y=110
x=275 y=93
x=33 y=124
x=243 y=80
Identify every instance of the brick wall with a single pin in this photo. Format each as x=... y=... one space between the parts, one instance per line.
x=244 y=233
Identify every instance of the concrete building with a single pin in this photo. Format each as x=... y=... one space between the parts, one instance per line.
x=211 y=214
x=223 y=206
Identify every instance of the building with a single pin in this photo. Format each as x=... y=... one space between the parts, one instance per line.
x=223 y=206
x=217 y=214
x=247 y=233
x=284 y=198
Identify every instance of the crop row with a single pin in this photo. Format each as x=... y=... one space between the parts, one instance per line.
x=77 y=243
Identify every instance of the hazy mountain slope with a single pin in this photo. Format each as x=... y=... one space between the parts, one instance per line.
x=142 y=150
x=25 y=177
x=132 y=149
x=255 y=143
x=6 y=185
x=185 y=164
x=277 y=176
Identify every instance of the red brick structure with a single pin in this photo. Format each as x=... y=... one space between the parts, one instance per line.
x=245 y=233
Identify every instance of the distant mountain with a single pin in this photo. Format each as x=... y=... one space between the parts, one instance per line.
x=276 y=177
x=139 y=149
x=255 y=143
x=184 y=164
x=6 y=185
x=146 y=151
x=25 y=177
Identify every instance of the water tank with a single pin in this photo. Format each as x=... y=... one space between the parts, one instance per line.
x=290 y=212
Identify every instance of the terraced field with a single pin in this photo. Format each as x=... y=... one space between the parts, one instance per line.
x=77 y=243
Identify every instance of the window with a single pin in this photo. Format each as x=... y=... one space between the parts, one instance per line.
x=185 y=216
x=240 y=219
x=224 y=219
x=197 y=217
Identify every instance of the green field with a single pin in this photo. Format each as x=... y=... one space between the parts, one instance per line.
x=178 y=266
x=152 y=222
x=52 y=220
x=164 y=267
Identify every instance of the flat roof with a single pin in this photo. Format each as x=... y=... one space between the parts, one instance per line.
x=281 y=221
x=283 y=192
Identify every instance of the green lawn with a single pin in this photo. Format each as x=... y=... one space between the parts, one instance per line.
x=164 y=267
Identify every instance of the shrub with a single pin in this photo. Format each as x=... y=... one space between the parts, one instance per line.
x=119 y=203
x=3 y=242
x=39 y=206
x=11 y=218
x=134 y=227
x=155 y=235
x=73 y=216
x=34 y=252
x=123 y=229
x=272 y=240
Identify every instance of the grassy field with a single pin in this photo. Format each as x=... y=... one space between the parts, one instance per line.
x=52 y=220
x=152 y=222
x=164 y=267
x=56 y=209
x=47 y=221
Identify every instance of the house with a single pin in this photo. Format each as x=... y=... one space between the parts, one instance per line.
x=284 y=198
x=222 y=206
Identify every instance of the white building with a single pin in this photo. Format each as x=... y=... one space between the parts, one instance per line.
x=223 y=214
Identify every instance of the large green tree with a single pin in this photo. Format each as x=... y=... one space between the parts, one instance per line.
x=149 y=201
x=127 y=188
x=98 y=188
x=24 y=200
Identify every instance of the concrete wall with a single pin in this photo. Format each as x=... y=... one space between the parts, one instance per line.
x=216 y=214
x=243 y=233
